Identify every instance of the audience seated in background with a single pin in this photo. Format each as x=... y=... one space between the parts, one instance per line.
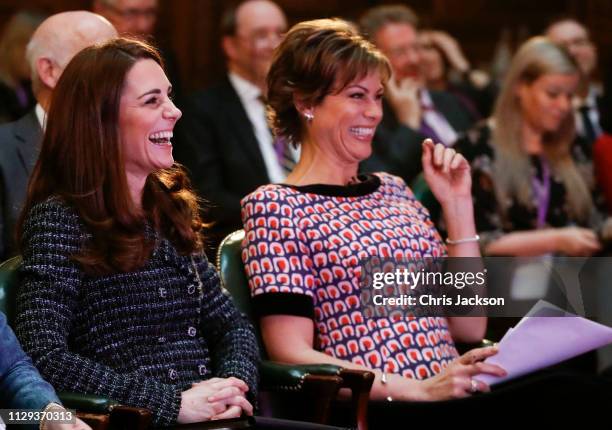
x=117 y=298
x=21 y=386
x=50 y=49
x=445 y=68
x=15 y=93
x=529 y=196
x=602 y=150
x=412 y=112
x=576 y=39
x=224 y=139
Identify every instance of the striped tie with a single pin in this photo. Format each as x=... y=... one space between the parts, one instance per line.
x=284 y=154
x=281 y=147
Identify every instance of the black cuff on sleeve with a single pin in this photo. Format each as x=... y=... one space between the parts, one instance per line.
x=299 y=305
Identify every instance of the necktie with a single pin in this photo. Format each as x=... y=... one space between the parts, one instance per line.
x=283 y=154
x=425 y=129
x=589 y=129
x=281 y=146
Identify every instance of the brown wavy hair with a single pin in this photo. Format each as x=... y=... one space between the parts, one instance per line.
x=316 y=58
x=81 y=161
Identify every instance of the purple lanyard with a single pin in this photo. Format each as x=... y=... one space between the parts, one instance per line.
x=541 y=189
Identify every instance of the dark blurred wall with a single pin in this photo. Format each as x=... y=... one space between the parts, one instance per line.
x=190 y=27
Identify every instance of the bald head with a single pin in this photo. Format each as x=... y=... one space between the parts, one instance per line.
x=59 y=38
x=252 y=31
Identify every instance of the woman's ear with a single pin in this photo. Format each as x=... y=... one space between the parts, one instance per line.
x=304 y=108
x=521 y=90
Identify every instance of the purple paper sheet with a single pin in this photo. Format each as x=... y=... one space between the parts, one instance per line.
x=542 y=341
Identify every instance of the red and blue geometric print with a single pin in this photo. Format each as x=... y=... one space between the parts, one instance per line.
x=311 y=244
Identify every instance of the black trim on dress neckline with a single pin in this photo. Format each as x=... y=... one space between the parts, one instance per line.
x=368 y=183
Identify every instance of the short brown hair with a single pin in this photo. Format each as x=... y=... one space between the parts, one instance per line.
x=228 y=18
x=377 y=17
x=81 y=161
x=316 y=58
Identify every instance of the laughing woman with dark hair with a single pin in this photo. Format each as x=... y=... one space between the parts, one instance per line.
x=118 y=298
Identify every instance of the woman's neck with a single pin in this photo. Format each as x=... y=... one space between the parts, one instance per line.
x=532 y=140
x=136 y=184
x=314 y=167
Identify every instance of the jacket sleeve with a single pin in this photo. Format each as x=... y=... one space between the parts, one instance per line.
x=21 y=386
x=47 y=303
x=230 y=335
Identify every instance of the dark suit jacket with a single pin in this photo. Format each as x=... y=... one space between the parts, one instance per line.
x=396 y=148
x=19 y=147
x=216 y=141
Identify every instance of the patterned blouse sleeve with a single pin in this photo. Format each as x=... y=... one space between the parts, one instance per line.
x=276 y=258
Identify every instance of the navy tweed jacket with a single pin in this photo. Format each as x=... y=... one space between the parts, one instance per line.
x=140 y=337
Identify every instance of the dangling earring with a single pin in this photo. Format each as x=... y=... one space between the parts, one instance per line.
x=309 y=116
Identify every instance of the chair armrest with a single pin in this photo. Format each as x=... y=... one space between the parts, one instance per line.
x=317 y=384
x=99 y=411
x=129 y=417
x=326 y=379
x=275 y=376
x=87 y=402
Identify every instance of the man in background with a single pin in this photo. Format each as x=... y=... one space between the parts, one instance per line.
x=223 y=138
x=138 y=18
x=411 y=112
x=59 y=38
x=575 y=38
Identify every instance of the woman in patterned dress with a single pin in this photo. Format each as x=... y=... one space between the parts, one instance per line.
x=304 y=238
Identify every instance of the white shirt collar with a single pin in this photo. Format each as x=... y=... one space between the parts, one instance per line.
x=41 y=115
x=426 y=99
x=246 y=90
x=590 y=100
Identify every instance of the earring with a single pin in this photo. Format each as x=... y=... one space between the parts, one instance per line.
x=309 y=116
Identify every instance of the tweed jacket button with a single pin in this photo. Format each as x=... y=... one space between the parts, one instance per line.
x=191 y=289
x=172 y=374
x=202 y=369
x=191 y=331
x=162 y=293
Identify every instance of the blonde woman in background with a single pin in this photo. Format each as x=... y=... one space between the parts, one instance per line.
x=529 y=196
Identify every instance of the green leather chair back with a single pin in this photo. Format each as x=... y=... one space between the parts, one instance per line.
x=9 y=281
x=421 y=191
x=233 y=278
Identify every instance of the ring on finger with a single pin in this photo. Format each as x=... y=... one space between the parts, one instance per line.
x=473 y=386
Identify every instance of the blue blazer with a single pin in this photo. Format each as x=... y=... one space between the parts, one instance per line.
x=21 y=386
